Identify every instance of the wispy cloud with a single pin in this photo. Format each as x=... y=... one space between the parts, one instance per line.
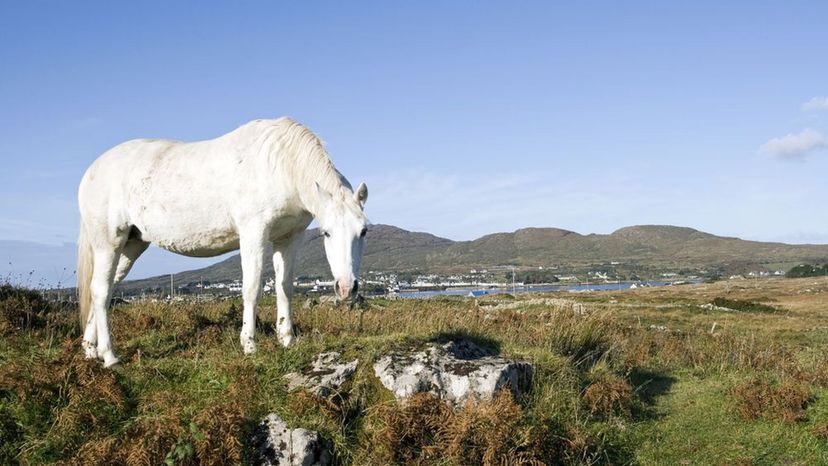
x=469 y=205
x=816 y=103
x=795 y=146
x=800 y=237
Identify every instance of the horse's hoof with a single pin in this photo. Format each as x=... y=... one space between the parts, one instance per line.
x=110 y=359
x=249 y=346
x=287 y=340
x=89 y=350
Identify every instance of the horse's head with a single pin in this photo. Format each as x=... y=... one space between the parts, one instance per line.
x=343 y=225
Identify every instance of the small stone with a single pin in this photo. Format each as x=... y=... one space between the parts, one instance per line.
x=276 y=445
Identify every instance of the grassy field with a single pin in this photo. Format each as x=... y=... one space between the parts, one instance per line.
x=647 y=376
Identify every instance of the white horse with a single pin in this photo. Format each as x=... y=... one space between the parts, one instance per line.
x=262 y=183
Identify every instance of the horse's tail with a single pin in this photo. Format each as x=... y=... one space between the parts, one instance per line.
x=85 y=266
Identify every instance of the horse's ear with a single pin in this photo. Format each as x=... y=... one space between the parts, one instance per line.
x=361 y=194
x=322 y=195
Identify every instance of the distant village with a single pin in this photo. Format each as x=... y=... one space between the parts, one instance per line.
x=382 y=283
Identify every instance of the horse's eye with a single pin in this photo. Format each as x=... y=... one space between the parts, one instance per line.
x=363 y=232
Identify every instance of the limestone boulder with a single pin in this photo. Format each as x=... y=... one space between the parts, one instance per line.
x=325 y=375
x=277 y=445
x=456 y=371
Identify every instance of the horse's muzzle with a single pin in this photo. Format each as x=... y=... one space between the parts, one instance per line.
x=347 y=289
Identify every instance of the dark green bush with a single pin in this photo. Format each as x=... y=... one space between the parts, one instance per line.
x=21 y=308
x=807 y=270
x=745 y=306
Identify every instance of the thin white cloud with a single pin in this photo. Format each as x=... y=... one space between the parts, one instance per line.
x=468 y=205
x=800 y=237
x=795 y=146
x=816 y=103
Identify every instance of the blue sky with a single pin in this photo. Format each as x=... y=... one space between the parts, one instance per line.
x=463 y=118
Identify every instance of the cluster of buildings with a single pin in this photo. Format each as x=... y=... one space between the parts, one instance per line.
x=758 y=274
x=379 y=282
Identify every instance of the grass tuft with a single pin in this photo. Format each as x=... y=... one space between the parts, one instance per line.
x=610 y=395
x=425 y=430
x=761 y=397
x=821 y=432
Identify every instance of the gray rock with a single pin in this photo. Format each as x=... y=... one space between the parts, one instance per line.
x=326 y=374
x=556 y=304
x=328 y=299
x=276 y=445
x=455 y=371
x=713 y=307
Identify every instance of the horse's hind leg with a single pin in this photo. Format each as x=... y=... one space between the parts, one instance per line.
x=103 y=274
x=129 y=254
x=90 y=336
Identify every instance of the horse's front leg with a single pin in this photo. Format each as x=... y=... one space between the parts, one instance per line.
x=252 y=247
x=284 y=253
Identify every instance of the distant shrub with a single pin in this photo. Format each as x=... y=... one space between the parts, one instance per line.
x=21 y=308
x=745 y=306
x=535 y=276
x=807 y=270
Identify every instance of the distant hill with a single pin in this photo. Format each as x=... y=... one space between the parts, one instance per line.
x=393 y=249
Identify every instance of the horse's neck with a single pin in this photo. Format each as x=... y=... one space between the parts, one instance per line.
x=305 y=178
x=301 y=162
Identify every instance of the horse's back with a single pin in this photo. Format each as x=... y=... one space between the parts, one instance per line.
x=167 y=189
x=105 y=181
x=191 y=197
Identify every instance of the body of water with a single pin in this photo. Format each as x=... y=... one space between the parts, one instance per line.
x=582 y=287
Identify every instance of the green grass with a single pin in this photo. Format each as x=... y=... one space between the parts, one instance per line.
x=695 y=424
x=608 y=387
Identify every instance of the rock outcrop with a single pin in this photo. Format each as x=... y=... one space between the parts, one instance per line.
x=276 y=445
x=557 y=304
x=326 y=374
x=456 y=372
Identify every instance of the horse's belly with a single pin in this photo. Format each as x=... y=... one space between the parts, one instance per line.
x=183 y=234
x=202 y=246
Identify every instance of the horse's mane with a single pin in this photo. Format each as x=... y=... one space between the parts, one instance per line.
x=299 y=154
